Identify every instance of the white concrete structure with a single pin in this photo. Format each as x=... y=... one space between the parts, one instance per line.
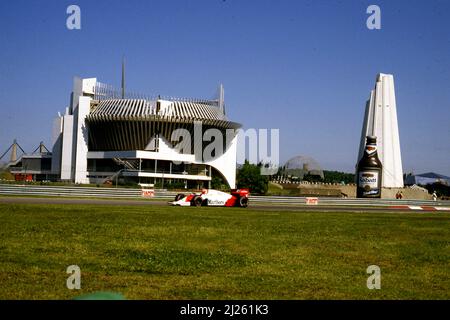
x=103 y=134
x=380 y=120
x=70 y=140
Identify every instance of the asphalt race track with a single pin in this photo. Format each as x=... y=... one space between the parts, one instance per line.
x=255 y=206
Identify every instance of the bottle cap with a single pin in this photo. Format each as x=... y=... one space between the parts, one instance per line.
x=371 y=139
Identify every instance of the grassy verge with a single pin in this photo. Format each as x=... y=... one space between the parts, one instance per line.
x=159 y=252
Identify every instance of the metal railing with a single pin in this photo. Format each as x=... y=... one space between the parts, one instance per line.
x=91 y=192
x=88 y=192
x=103 y=91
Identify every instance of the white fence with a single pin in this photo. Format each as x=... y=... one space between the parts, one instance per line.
x=33 y=190
x=124 y=193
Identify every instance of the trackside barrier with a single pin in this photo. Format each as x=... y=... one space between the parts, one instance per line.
x=69 y=191
x=124 y=193
x=325 y=201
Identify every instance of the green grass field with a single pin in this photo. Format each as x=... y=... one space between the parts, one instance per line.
x=157 y=252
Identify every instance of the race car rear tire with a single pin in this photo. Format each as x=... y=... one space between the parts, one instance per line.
x=243 y=202
x=197 y=201
x=179 y=196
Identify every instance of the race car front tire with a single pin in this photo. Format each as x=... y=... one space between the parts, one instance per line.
x=197 y=201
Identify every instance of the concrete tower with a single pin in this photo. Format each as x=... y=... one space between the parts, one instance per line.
x=380 y=120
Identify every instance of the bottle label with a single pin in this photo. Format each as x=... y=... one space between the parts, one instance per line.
x=368 y=181
x=371 y=149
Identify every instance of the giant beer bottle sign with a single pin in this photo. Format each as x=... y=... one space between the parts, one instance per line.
x=369 y=171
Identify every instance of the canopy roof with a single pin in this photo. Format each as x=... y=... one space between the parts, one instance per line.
x=427 y=178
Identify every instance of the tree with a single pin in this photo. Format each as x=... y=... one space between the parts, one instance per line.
x=338 y=177
x=249 y=176
x=218 y=183
x=312 y=178
x=442 y=190
x=5 y=174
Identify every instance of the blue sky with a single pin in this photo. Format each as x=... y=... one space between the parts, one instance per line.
x=305 y=67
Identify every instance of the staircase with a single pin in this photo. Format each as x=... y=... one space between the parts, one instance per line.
x=128 y=165
x=132 y=164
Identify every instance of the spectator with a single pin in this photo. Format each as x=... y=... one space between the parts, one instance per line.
x=434 y=195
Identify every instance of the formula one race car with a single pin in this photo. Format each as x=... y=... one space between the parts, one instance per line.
x=210 y=197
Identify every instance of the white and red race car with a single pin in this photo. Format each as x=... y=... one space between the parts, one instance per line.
x=210 y=197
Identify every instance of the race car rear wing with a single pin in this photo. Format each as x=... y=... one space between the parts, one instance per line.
x=240 y=192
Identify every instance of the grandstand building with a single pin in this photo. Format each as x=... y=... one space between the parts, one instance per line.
x=106 y=133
